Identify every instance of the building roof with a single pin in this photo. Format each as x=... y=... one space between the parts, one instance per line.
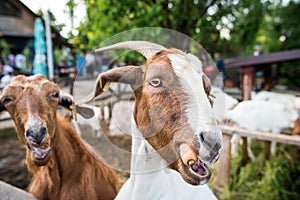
x=17 y=22
x=265 y=59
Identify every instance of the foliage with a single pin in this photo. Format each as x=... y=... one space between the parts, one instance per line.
x=200 y=20
x=8 y=134
x=27 y=53
x=52 y=18
x=4 y=48
x=231 y=27
x=276 y=178
x=286 y=26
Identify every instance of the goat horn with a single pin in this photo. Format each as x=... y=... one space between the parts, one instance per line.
x=147 y=49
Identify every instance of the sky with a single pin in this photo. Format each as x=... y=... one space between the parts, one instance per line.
x=57 y=7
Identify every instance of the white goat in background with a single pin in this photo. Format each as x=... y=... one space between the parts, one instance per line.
x=100 y=113
x=288 y=100
x=119 y=123
x=222 y=103
x=262 y=116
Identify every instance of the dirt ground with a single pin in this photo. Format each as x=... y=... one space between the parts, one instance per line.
x=114 y=150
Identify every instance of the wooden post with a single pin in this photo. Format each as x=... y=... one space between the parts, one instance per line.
x=223 y=172
x=245 y=156
x=267 y=150
x=247 y=81
x=294 y=153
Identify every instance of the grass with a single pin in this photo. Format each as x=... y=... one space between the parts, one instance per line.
x=8 y=134
x=276 y=179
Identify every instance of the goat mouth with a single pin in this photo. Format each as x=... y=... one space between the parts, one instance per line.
x=193 y=169
x=40 y=151
x=201 y=171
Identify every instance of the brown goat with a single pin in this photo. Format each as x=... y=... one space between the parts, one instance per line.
x=62 y=164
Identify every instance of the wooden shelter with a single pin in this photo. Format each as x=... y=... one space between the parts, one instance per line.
x=249 y=65
x=263 y=62
x=17 y=26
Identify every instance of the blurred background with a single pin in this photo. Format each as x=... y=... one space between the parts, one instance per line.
x=254 y=45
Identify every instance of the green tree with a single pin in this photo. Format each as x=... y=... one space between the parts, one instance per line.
x=53 y=20
x=285 y=26
x=70 y=8
x=201 y=20
x=232 y=27
x=5 y=48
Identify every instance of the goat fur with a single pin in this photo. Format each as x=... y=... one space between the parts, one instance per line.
x=71 y=169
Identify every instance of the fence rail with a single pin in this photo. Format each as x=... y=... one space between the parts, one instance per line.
x=265 y=136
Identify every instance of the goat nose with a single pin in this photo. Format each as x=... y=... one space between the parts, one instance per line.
x=211 y=141
x=36 y=136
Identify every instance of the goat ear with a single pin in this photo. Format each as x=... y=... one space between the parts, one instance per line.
x=206 y=84
x=207 y=88
x=128 y=74
x=85 y=112
x=66 y=100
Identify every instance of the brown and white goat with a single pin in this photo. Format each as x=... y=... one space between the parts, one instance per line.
x=174 y=131
x=62 y=164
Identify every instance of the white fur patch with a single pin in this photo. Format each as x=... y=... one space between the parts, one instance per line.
x=189 y=70
x=34 y=122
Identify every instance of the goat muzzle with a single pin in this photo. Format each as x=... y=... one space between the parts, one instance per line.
x=195 y=170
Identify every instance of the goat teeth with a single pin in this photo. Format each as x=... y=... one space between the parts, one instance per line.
x=191 y=162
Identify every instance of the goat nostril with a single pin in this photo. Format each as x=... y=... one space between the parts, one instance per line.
x=217 y=147
x=202 y=137
x=29 y=133
x=43 y=131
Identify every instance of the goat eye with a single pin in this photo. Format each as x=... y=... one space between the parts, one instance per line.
x=7 y=99
x=55 y=95
x=155 y=82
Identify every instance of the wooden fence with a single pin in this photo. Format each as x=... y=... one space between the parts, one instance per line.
x=223 y=169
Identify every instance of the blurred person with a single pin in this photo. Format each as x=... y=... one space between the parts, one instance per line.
x=7 y=68
x=257 y=50
x=63 y=72
x=259 y=81
x=6 y=79
x=80 y=63
x=11 y=60
x=70 y=60
x=90 y=64
x=219 y=82
x=1 y=67
x=20 y=61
